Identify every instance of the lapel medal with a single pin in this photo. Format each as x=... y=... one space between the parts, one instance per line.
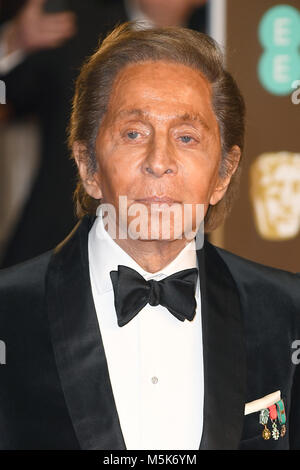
x=274 y=412
x=273 y=417
x=281 y=417
x=263 y=419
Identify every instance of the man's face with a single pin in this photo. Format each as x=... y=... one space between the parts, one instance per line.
x=159 y=137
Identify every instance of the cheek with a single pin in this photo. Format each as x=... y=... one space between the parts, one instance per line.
x=198 y=191
x=199 y=180
x=117 y=176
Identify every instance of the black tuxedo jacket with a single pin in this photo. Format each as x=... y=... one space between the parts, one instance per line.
x=55 y=391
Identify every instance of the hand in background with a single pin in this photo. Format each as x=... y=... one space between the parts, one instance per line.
x=33 y=29
x=169 y=12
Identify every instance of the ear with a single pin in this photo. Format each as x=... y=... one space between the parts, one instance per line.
x=90 y=181
x=232 y=162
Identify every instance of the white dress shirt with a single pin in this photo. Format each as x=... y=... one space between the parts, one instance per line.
x=155 y=361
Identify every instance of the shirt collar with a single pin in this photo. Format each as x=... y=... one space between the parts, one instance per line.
x=105 y=255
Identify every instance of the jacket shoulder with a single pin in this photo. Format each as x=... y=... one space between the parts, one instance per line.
x=25 y=280
x=240 y=263
x=259 y=281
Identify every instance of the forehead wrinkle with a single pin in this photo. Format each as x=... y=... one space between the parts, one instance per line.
x=186 y=117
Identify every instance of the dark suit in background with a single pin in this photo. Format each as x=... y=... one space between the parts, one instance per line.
x=44 y=84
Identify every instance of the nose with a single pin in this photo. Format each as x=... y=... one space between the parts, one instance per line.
x=160 y=158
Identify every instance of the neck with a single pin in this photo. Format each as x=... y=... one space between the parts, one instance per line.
x=152 y=255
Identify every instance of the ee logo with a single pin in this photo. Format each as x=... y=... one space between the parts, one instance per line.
x=279 y=35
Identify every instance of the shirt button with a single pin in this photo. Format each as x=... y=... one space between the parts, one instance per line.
x=154 y=380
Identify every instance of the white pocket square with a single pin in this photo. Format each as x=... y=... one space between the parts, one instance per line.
x=262 y=403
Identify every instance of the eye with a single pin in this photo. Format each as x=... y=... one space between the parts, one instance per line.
x=186 y=139
x=132 y=135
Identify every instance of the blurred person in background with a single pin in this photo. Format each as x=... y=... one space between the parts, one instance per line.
x=42 y=45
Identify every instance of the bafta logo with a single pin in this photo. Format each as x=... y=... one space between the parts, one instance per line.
x=275 y=195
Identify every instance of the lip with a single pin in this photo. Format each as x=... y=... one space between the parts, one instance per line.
x=157 y=200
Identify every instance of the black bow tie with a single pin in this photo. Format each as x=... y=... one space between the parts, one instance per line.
x=133 y=292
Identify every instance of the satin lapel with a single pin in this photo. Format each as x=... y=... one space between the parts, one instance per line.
x=78 y=346
x=224 y=353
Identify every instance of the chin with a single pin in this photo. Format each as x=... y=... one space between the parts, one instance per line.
x=155 y=231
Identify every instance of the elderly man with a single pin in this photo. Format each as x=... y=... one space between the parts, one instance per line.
x=131 y=336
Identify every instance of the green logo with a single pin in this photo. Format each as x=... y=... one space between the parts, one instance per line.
x=279 y=34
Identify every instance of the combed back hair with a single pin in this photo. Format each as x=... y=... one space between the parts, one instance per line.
x=126 y=45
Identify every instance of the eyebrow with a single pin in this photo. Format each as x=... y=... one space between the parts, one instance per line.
x=186 y=117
